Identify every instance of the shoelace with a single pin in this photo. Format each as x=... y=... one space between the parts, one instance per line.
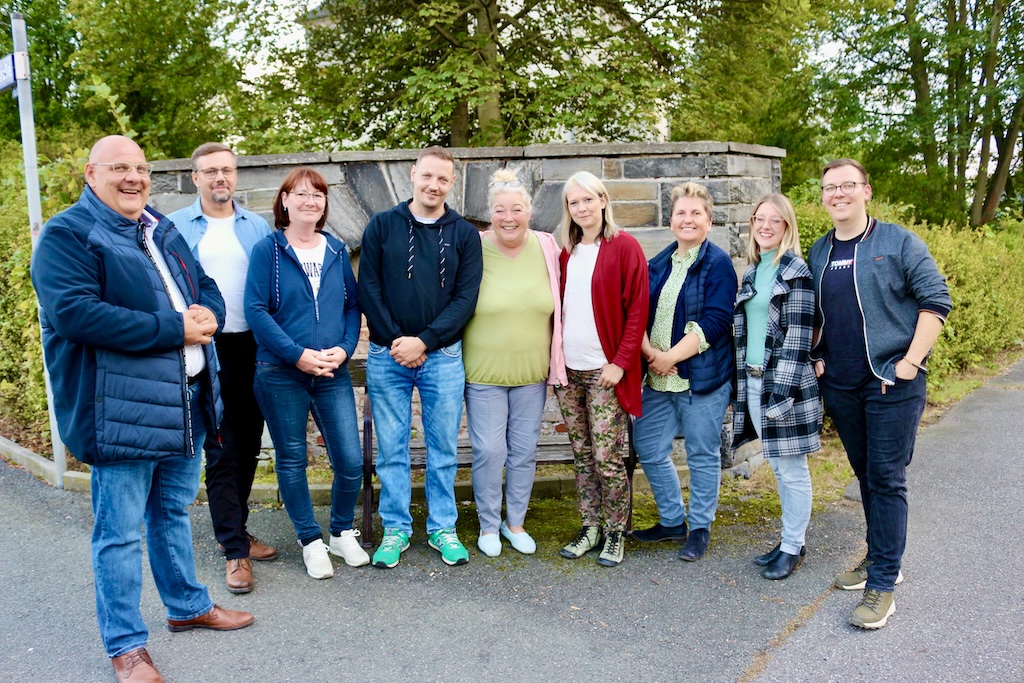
x=448 y=539
x=135 y=658
x=612 y=545
x=872 y=598
x=390 y=542
x=584 y=537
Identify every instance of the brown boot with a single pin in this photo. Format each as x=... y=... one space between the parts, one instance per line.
x=238 y=575
x=137 y=667
x=217 y=619
x=261 y=552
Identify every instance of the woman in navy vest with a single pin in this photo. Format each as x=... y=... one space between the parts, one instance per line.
x=688 y=348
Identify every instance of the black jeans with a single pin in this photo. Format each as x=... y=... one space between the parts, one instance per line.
x=231 y=463
x=878 y=431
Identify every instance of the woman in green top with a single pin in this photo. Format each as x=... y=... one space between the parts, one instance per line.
x=512 y=349
x=777 y=393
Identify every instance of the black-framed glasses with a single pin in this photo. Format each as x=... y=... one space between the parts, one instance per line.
x=211 y=173
x=122 y=168
x=846 y=187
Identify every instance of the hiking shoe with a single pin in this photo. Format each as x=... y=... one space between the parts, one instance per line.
x=874 y=609
x=346 y=546
x=611 y=554
x=318 y=562
x=392 y=546
x=588 y=539
x=660 y=533
x=857 y=579
x=446 y=542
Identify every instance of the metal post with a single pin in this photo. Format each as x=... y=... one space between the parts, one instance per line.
x=35 y=209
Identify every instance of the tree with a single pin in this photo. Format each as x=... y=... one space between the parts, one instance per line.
x=932 y=90
x=483 y=72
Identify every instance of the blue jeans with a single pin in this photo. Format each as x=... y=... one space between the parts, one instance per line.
x=286 y=396
x=878 y=431
x=504 y=427
x=441 y=381
x=793 y=477
x=124 y=496
x=699 y=417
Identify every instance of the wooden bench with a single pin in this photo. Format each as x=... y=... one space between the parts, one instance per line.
x=550 y=451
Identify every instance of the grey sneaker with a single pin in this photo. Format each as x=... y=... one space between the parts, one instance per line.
x=874 y=609
x=857 y=579
x=588 y=539
x=611 y=554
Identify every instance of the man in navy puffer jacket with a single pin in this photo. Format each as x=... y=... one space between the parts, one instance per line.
x=127 y=317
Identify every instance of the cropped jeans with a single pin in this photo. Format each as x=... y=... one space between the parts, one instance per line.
x=287 y=396
x=441 y=382
x=158 y=493
x=699 y=417
x=793 y=477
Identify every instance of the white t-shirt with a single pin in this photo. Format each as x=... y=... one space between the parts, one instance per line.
x=224 y=259
x=580 y=343
x=312 y=261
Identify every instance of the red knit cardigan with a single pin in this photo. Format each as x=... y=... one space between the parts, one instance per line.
x=620 y=293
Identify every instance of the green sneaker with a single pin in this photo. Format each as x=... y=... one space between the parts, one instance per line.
x=446 y=542
x=391 y=548
x=611 y=554
x=857 y=579
x=588 y=538
x=874 y=609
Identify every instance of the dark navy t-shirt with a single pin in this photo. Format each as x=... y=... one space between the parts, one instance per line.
x=846 y=360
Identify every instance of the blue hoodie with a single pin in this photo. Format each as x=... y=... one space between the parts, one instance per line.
x=280 y=307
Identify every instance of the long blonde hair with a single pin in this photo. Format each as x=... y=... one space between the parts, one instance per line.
x=573 y=233
x=790 y=238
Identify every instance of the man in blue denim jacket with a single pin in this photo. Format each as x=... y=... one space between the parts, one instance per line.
x=881 y=306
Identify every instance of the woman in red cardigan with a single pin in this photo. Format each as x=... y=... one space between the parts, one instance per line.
x=604 y=317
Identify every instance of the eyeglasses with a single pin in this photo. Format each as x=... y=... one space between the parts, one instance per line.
x=317 y=197
x=847 y=187
x=211 y=173
x=775 y=221
x=509 y=184
x=123 y=169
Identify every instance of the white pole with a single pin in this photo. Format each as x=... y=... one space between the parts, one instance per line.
x=35 y=209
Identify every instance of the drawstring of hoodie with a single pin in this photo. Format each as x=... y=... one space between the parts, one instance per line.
x=441 y=251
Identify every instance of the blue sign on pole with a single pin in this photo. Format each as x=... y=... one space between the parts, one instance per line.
x=7 y=75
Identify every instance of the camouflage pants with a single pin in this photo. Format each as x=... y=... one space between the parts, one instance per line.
x=597 y=430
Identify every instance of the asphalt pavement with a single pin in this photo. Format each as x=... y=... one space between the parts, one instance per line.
x=542 y=618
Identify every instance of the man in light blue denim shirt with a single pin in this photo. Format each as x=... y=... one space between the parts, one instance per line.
x=221 y=235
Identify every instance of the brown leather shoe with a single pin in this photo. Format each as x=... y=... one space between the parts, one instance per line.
x=137 y=667
x=238 y=576
x=261 y=552
x=218 y=619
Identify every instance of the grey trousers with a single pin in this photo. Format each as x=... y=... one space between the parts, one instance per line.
x=504 y=427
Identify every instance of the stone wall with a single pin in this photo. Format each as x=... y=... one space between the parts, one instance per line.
x=639 y=177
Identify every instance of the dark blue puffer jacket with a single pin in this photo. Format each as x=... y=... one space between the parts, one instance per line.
x=112 y=340
x=706 y=298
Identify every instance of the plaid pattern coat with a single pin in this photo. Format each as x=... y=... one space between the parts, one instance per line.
x=790 y=403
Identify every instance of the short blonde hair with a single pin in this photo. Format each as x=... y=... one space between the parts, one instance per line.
x=790 y=238
x=573 y=233
x=694 y=191
x=506 y=180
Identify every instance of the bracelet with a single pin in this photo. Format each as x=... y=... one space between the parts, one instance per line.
x=919 y=367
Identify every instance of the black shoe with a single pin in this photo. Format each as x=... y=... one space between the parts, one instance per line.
x=769 y=557
x=660 y=533
x=782 y=566
x=696 y=545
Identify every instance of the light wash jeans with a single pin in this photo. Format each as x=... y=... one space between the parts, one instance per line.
x=124 y=496
x=699 y=417
x=504 y=427
x=441 y=382
x=286 y=396
x=792 y=476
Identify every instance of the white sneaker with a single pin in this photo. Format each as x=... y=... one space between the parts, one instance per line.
x=346 y=546
x=318 y=562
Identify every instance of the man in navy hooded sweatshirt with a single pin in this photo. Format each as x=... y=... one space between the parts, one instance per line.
x=419 y=277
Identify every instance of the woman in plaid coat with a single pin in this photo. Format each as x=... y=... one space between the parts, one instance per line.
x=776 y=391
